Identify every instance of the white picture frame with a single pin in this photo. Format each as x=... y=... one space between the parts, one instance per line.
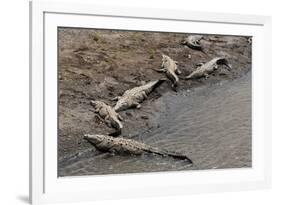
x=46 y=187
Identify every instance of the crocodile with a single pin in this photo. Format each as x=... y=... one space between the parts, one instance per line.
x=106 y=112
x=170 y=67
x=193 y=41
x=121 y=145
x=204 y=69
x=133 y=97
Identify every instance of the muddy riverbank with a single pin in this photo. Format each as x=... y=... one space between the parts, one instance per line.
x=218 y=136
x=206 y=119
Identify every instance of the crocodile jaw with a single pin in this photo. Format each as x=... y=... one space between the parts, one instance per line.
x=95 y=139
x=120 y=106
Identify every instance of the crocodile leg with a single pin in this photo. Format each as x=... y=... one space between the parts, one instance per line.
x=137 y=105
x=116 y=98
x=161 y=70
x=107 y=121
x=144 y=95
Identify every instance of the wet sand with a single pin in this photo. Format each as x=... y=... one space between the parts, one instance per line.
x=207 y=119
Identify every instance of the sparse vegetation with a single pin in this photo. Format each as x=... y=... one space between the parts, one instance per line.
x=96 y=36
x=151 y=53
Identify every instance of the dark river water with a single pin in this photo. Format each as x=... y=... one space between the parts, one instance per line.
x=211 y=125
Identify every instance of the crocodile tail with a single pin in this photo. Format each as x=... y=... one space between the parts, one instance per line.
x=177 y=156
x=223 y=61
x=170 y=154
x=117 y=124
x=173 y=77
x=180 y=156
x=156 y=84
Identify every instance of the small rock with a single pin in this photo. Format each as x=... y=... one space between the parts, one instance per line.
x=144 y=117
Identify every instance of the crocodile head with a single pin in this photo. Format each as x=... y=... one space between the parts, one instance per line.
x=121 y=105
x=165 y=60
x=94 y=139
x=193 y=41
x=96 y=104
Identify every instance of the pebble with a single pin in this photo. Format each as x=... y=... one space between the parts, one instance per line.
x=144 y=117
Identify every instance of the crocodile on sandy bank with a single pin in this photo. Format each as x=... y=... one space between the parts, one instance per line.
x=108 y=114
x=193 y=41
x=121 y=145
x=170 y=68
x=133 y=97
x=204 y=69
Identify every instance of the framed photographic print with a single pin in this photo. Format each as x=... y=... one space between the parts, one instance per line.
x=129 y=102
